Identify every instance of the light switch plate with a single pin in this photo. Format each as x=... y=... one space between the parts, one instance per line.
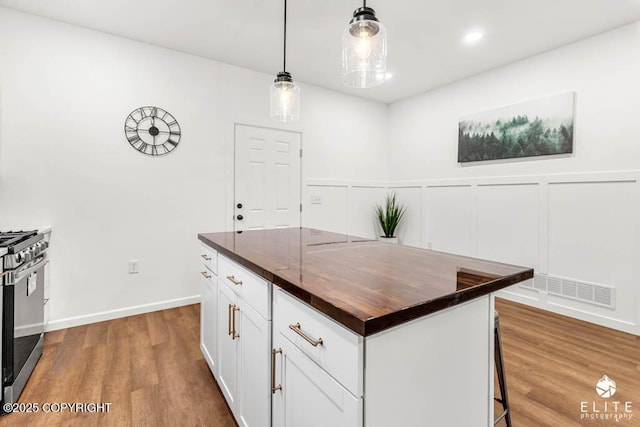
x=316 y=199
x=134 y=266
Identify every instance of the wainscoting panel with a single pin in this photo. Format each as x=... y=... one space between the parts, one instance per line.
x=326 y=208
x=448 y=218
x=592 y=238
x=362 y=219
x=508 y=223
x=410 y=231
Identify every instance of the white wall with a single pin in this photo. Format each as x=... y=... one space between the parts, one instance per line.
x=64 y=161
x=602 y=70
x=573 y=216
x=65 y=92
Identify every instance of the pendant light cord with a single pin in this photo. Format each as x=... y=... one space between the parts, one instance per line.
x=284 y=61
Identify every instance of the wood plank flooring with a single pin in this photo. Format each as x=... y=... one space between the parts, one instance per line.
x=553 y=363
x=150 y=369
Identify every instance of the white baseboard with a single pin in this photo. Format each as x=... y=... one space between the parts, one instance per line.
x=607 y=322
x=70 y=322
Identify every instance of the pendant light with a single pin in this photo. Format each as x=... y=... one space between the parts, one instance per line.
x=364 y=50
x=285 y=94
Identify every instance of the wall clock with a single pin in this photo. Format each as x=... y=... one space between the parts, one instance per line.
x=152 y=131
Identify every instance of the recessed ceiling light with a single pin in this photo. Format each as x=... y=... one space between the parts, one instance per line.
x=473 y=37
x=388 y=76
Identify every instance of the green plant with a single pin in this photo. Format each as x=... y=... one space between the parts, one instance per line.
x=390 y=214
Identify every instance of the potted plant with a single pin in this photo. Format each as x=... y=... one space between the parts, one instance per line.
x=389 y=216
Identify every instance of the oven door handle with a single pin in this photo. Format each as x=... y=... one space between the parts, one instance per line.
x=21 y=274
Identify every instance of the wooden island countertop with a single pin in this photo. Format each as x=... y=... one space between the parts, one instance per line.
x=366 y=285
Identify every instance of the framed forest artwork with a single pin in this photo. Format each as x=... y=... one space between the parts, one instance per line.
x=536 y=128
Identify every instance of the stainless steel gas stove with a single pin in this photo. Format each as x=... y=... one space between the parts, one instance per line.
x=22 y=279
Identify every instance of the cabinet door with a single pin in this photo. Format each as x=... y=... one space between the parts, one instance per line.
x=227 y=345
x=208 y=318
x=254 y=367
x=309 y=396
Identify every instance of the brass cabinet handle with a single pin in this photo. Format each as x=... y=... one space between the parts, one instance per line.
x=234 y=334
x=229 y=320
x=274 y=387
x=296 y=328
x=234 y=280
x=206 y=276
x=206 y=258
x=2 y=274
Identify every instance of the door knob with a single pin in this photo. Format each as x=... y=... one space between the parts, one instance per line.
x=240 y=217
x=239 y=205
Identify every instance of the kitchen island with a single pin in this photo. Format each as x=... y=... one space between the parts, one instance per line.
x=349 y=331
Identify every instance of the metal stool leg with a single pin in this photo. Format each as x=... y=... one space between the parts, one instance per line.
x=502 y=382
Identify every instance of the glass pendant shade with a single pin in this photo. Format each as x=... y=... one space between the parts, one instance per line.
x=364 y=50
x=285 y=99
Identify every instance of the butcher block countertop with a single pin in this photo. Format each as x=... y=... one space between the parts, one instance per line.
x=366 y=285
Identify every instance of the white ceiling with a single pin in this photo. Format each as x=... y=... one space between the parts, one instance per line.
x=424 y=36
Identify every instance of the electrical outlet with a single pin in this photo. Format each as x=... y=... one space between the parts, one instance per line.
x=316 y=199
x=134 y=266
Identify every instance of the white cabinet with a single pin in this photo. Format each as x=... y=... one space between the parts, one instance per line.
x=227 y=345
x=208 y=310
x=318 y=368
x=244 y=345
x=208 y=307
x=254 y=369
x=307 y=395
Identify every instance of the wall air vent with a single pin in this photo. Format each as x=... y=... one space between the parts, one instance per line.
x=585 y=291
x=554 y=285
x=603 y=295
x=540 y=281
x=591 y=293
x=569 y=288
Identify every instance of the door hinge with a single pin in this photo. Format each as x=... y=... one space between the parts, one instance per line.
x=300 y=207
x=301 y=152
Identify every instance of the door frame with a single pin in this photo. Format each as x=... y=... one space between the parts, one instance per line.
x=230 y=172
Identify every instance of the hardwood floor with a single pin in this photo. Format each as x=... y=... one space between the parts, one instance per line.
x=151 y=370
x=553 y=363
x=149 y=367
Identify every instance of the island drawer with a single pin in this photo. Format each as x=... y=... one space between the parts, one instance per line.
x=255 y=290
x=209 y=258
x=340 y=352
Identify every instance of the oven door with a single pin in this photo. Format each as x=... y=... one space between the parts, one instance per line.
x=2 y=283
x=23 y=326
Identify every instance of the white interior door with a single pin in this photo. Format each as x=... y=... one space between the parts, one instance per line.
x=267 y=178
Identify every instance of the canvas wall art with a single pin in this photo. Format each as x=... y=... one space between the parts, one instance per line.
x=535 y=128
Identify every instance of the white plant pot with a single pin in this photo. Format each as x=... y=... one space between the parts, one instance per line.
x=389 y=239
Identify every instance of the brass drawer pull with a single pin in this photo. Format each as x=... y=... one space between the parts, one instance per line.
x=296 y=328
x=234 y=334
x=234 y=280
x=274 y=387
x=206 y=258
x=206 y=276
x=229 y=331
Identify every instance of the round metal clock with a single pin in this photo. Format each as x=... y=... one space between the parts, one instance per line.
x=152 y=131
